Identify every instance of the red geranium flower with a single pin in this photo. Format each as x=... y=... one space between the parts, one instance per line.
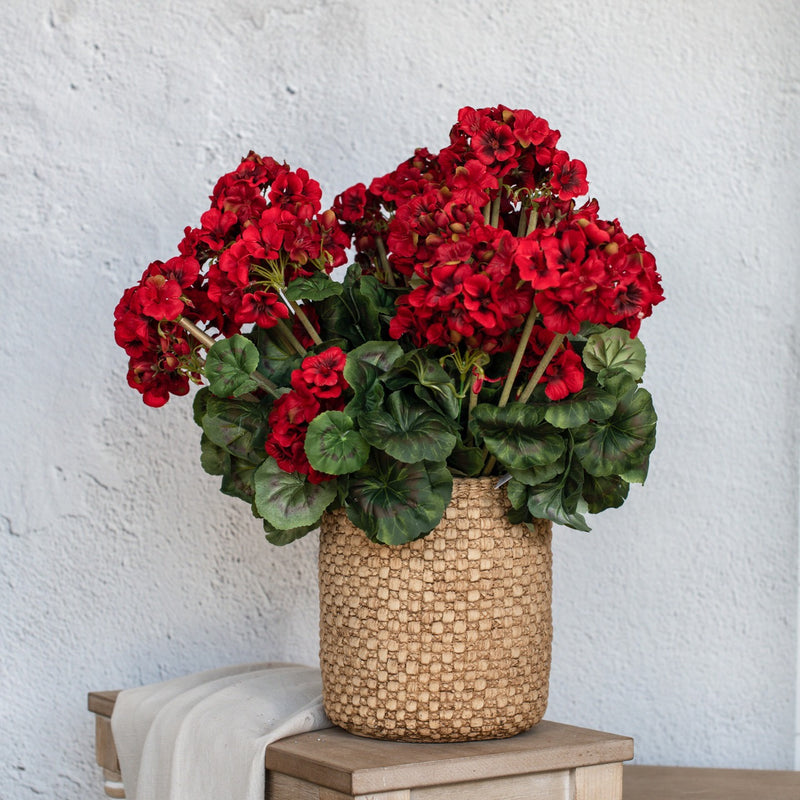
x=263 y=308
x=569 y=177
x=160 y=297
x=322 y=373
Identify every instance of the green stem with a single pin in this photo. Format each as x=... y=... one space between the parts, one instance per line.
x=286 y=332
x=522 y=222
x=518 y=356
x=532 y=220
x=387 y=270
x=487 y=212
x=543 y=364
x=495 y=220
x=198 y=334
x=305 y=322
x=473 y=401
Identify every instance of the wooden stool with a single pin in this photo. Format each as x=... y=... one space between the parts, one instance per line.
x=549 y=762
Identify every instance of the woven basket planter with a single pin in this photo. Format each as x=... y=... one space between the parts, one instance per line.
x=445 y=639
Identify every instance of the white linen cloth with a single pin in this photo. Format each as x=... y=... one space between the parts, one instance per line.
x=203 y=736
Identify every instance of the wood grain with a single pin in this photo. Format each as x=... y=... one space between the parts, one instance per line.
x=697 y=783
x=354 y=765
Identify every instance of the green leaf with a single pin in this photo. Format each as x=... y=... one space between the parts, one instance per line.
x=199 y=405
x=380 y=297
x=536 y=475
x=238 y=426
x=517 y=494
x=287 y=499
x=283 y=537
x=333 y=446
x=408 y=432
x=368 y=392
x=638 y=472
x=416 y=367
x=380 y=354
x=239 y=480
x=617 y=381
x=603 y=493
x=558 y=500
x=317 y=286
x=620 y=443
x=230 y=364
x=276 y=363
x=517 y=436
x=396 y=503
x=579 y=408
x=614 y=349
x=467 y=461
x=214 y=459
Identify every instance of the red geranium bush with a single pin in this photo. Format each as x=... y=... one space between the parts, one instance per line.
x=488 y=324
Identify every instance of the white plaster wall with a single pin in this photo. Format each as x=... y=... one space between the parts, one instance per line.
x=120 y=562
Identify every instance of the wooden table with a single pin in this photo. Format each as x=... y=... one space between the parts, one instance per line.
x=549 y=762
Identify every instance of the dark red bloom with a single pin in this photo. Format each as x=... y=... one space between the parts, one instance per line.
x=322 y=373
x=563 y=376
x=160 y=297
x=263 y=308
x=494 y=143
x=569 y=177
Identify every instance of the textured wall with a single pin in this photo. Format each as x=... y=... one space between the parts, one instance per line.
x=120 y=562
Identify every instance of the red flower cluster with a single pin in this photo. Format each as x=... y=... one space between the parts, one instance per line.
x=263 y=230
x=486 y=230
x=317 y=386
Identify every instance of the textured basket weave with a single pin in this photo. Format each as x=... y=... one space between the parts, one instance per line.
x=444 y=639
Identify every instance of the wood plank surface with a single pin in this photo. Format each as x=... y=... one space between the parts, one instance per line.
x=354 y=765
x=698 y=783
x=102 y=702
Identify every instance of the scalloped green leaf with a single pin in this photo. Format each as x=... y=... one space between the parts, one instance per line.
x=239 y=480
x=199 y=405
x=381 y=355
x=417 y=369
x=238 y=426
x=214 y=459
x=578 y=409
x=536 y=475
x=603 y=493
x=317 y=286
x=230 y=364
x=283 y=537
x=368 y=391
x=614 y=349
x=517 y=436
x=620 y=443
x=409 y=433
x=395 y=503
x=617 y=381
x=333 y=446
x=559 y=500
x=275 y=362
x=289 y=500
x=466 y=461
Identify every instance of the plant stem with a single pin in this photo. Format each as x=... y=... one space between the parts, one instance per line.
x=387 y=270
x=518 y=356
x=198 y=334
x=522 y=222
x=543 y=364
x=532 y=220
x=306 y=323
x=495 y=220
x=473 y=401
x=487 y=212
x=286 y=332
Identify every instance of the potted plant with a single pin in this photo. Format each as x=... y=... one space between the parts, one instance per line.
x=485 y=333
